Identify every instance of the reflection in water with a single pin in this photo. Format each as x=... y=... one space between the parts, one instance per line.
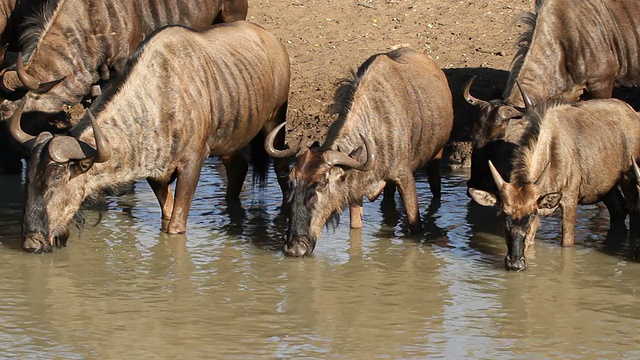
x=224 y=290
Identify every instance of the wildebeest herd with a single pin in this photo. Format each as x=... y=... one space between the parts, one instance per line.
x=167 y=84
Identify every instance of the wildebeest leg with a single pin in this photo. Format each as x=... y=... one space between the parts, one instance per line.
x=280 y=165
x=389 y=195
x=433 y=175
x=407 y=187
x=569 y=213
x=615 y=203
x=236 y=167
x=187 y=180
x=163 y=193
x=355 y=215
x=631 y=198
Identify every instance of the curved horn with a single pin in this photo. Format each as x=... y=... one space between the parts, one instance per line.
x=636 y=170
x=270 y=148
x=334 y=158
x=475 y=102
x=65 y=148
x=496 y=176
x=542 y=174
x=27 y=80
x=102 y=144
x=528 y=105
x=14 y=126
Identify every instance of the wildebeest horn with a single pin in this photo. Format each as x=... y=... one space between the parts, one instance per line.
x=65 y=148
x=528 y=105
x=542 y=174
x=636 y=170
x=496 y=176
x=334 y=158
x=14 y=126
x=470 y=99
x=27 y=80
x=270 y=148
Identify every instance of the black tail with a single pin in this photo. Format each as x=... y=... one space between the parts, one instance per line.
x=259 y=160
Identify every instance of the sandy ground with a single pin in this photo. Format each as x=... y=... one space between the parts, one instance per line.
x=326 y=39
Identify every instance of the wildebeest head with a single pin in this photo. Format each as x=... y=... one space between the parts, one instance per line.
x=54 y=187
x=493 y=119
x=18 y=83
x=521 y=204
x=318 y=189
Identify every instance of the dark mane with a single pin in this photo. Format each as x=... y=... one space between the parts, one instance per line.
x=343 y=97
x=36 y=25
x=527 y=144
x=117 y=83
x=528 y=20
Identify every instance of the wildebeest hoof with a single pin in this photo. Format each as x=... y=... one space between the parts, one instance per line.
x=518 y=264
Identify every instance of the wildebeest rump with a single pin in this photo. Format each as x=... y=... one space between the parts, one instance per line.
x=568 y=48
x=570 y=154
x=186 y=95
x=394 y=117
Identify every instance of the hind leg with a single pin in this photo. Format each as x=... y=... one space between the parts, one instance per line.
x=280 y=165
x=433 y=175
x=237 y=168
x=163 y=193
x=187 y=181
x=615 y=203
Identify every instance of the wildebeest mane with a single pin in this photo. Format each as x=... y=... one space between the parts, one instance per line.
x=36 y=26
x=117 y=83
x=528 y=20
x=523 y=157
x=343 y=97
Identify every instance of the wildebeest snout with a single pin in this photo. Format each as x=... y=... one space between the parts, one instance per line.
x=299 y=246
x=517 y=263
x=36 y=243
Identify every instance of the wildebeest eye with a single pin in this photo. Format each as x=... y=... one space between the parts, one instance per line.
x=57 y=177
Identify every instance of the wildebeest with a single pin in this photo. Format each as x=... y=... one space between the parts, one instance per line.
x=570 y=154
x=185 y=95
x=84 y=41
x=394 y=117
x=569 y=48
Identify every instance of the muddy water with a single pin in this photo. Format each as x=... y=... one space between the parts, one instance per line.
x=123 y=290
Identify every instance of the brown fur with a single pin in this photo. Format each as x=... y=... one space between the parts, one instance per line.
x=188 y=95
x=401 y=103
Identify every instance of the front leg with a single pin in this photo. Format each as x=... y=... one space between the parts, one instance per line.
x=187 y=181
x=162 y=189
x=569 y=214
x=355 y=215
x=409 y=195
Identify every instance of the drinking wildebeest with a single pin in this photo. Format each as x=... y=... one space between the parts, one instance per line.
x=394 y=117
x=568 y=48
x=570 y=154
x=185 y=95
x=84 y=42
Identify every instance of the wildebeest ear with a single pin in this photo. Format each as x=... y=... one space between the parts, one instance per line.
x=80 y=167
x=483 y=198
x=358 y=154
x=508 y=112
x=550 y=200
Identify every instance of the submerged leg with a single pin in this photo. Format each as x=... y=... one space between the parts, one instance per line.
x=433 y=175
x=355 y=215
x=162 y=189
x=616 y=204
x=407 y=187
x=188 y=177
x=569 y=214
x=237 y=168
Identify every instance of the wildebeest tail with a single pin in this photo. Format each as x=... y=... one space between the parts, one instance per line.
x=259 y=160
